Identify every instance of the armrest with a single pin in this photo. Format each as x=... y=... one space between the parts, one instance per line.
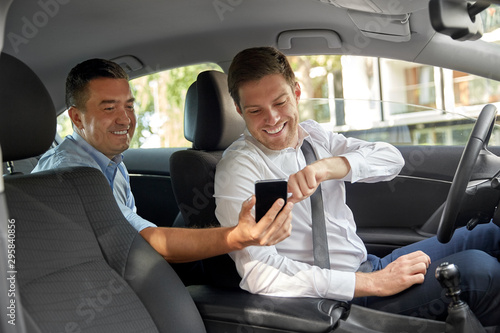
x=235 y=310
x=228 y=310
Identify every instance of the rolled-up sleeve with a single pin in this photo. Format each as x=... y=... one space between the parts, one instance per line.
x=264 y=271
x=369 y=161
x=372 y=162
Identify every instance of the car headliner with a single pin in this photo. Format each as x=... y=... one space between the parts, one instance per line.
x=51 y=36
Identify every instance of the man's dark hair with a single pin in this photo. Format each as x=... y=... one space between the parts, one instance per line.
x=255 y=63
x=80 y=76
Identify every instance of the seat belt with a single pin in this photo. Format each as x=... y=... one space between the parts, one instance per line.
x=320 y=241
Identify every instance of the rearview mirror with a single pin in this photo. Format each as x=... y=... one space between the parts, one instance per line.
x=458 y=19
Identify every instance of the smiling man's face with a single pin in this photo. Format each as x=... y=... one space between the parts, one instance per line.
x=108 y=121
x=269 y=107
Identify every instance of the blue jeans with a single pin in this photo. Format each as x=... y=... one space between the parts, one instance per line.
x=476 y=253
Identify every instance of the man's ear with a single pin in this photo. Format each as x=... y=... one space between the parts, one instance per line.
x=76 y=117
x=297 y=91
x=238 y=109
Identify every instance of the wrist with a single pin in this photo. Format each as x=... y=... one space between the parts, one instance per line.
x=336 y=167
x=234 y=240
x=365 y=285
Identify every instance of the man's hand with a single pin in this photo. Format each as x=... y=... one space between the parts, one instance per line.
x=399 y=275
x=271 y=229
x=303 y=183
x=185 y=244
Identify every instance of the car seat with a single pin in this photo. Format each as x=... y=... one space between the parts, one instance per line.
x=211 y=123
x=80 y=266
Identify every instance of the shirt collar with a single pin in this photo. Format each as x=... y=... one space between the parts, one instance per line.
x=303 y=134
x=102 y=160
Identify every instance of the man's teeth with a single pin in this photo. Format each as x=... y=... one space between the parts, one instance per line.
x=276 y=130
x=120 y=132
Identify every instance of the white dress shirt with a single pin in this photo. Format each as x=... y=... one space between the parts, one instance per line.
x=287 y=269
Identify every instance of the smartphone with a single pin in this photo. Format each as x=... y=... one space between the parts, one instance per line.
x=267 y=192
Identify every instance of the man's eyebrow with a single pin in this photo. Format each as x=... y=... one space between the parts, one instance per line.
x=280 y=96
x=112 y=101
x=256 y=106
x=107 y=101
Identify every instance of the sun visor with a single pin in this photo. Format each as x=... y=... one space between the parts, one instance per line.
x=379 y=6
x=393 y=28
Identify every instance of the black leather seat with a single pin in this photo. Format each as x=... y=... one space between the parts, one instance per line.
x=80 y=266
x=211 y=123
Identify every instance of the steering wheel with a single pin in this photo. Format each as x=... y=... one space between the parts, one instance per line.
x=478 y=141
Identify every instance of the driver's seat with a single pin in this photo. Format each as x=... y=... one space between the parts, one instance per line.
x=81 y=267
x=211 y=123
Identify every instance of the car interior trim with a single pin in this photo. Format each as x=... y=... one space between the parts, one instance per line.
x=332 y=38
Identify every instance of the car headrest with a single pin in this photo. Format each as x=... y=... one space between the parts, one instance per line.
x=210 y=118
x=27 y=113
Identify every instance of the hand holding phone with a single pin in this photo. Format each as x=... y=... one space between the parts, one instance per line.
x=267 y=192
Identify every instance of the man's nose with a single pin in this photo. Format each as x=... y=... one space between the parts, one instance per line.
x=272 y=116
x=123 y=116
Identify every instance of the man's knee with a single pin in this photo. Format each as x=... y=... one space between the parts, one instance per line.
x=479 y=271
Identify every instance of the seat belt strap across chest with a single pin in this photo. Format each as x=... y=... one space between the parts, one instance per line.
x=320 y=240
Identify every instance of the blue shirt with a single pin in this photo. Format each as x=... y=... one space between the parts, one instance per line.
x=75 y=151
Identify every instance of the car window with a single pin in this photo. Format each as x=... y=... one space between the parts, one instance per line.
x=491 y=24
x=422 y=105
x=369 y=98
x=159 y=107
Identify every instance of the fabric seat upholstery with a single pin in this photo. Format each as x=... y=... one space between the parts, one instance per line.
x=211 y=123
x=81 y=266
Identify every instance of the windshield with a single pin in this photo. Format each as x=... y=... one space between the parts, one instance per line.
x=491 y=24
x=397 y=123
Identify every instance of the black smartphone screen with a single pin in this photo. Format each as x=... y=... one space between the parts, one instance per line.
x=267 y=192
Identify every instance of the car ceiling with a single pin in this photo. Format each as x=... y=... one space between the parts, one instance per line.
x=161 y=34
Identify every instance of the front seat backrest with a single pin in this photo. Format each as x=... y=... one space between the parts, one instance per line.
x=211 y=123
x=81 y=267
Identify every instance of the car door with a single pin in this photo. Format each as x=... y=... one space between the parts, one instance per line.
x=150 y=180
x=408 y=208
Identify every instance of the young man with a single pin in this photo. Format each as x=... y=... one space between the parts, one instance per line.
x=266 y=95
x=101 y=107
